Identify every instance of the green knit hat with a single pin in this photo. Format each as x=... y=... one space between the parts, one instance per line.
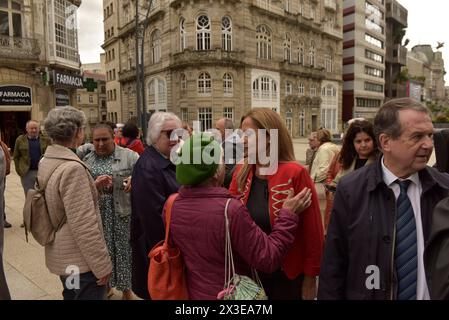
x=198 y=159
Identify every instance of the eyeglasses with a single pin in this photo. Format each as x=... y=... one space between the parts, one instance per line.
x=168 y=133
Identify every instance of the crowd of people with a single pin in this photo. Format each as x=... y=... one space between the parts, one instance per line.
x=313 y=231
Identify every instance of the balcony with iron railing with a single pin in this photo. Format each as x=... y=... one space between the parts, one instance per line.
x=397 y=54
x=396 y=12
x=157 y=11
x=301 y=70
x=268 y=6
x=93 y=120
x=19 y=48
x=217 y=56
x=333 y=31
x=330 y=4
x=127 y=75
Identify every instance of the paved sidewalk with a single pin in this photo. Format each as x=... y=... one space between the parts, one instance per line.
x=28 y=277
x=26 y=273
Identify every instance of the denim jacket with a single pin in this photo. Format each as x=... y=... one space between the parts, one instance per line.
x=122 y=167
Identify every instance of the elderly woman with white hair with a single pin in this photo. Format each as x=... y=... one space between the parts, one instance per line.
x=79 y=248
x=153 y=180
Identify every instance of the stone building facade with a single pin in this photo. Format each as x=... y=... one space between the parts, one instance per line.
x=39 y=61
x=209 y=59
x=396 y=53
x=431 y=67
x=111 y=46
x=92 y=100
x=363 y=58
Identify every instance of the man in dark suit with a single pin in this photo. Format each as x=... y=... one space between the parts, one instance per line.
x=441 y=141
x=382 y=213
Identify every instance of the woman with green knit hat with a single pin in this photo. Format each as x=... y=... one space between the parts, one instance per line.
x=197 y=224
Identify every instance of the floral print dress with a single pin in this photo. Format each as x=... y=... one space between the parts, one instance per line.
x=116 y=229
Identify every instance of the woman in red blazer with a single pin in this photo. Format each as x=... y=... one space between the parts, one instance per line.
x=264 y=195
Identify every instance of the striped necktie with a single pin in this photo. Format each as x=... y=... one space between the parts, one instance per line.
x=406 y=257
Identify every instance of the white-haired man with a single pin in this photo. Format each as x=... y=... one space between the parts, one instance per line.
x=28 y=150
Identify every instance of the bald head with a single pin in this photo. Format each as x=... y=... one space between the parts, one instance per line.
x=223 y=124
x=32 y=129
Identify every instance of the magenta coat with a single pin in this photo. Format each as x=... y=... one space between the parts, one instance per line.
x=198 y=229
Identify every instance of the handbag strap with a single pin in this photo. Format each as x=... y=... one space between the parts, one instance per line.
x=168 y=208
x=229 y=260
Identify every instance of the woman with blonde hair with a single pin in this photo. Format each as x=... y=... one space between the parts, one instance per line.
x=264 y=193
x=320 y=166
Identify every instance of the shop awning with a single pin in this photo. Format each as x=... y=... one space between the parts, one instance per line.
x=15 y=108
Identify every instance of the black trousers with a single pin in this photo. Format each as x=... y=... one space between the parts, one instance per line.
x=278 y=287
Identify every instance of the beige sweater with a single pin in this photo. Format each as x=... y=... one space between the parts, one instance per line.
x=322 y=161
x=71 y=191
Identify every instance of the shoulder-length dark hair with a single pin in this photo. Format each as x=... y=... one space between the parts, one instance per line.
x=348 y=153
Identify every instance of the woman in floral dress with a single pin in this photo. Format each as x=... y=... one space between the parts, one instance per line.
x=111 y=167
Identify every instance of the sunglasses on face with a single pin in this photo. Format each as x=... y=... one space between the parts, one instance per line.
x=168 y=133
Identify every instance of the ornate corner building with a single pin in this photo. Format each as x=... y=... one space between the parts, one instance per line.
x=207 y=59
x=39 y=61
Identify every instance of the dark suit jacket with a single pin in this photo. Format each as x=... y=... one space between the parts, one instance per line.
x=361 y=232
x=441 y=141
x=436 y=254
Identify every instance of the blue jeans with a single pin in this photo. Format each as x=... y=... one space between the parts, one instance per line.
x=28 y=181
x=88 y=289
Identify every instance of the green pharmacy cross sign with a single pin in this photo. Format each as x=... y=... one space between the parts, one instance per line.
x=90 y=85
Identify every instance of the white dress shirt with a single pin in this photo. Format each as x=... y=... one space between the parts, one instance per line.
x=414 y=193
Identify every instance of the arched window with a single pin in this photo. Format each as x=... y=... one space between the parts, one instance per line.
x=183 y=82
x=313 y=90
x=328 y=60
x=204 y=83
x=288 y=88
x=263 y=38
x=182 y=34
x=157 y=95
x=329 y=107
x=287 y=48
x=312 y=54
x=301 y=7
x=265 y=88
x=151 y=92
x=287 y=5
x=313 y=12
x=301 y=52
x=256 y=90
x=161 y=92
x=228 y=85
x=203 y=33
x=274 y=90
x=156 y=46
x=226 y=34
x=301 y=89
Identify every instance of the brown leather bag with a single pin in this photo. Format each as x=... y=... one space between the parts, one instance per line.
x=7 y=157
x=166 y=274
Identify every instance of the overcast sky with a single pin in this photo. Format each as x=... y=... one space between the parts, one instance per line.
x=428 y=22
x=91 y=34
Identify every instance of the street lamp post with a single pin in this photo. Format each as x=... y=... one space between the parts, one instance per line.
x=140 y=68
